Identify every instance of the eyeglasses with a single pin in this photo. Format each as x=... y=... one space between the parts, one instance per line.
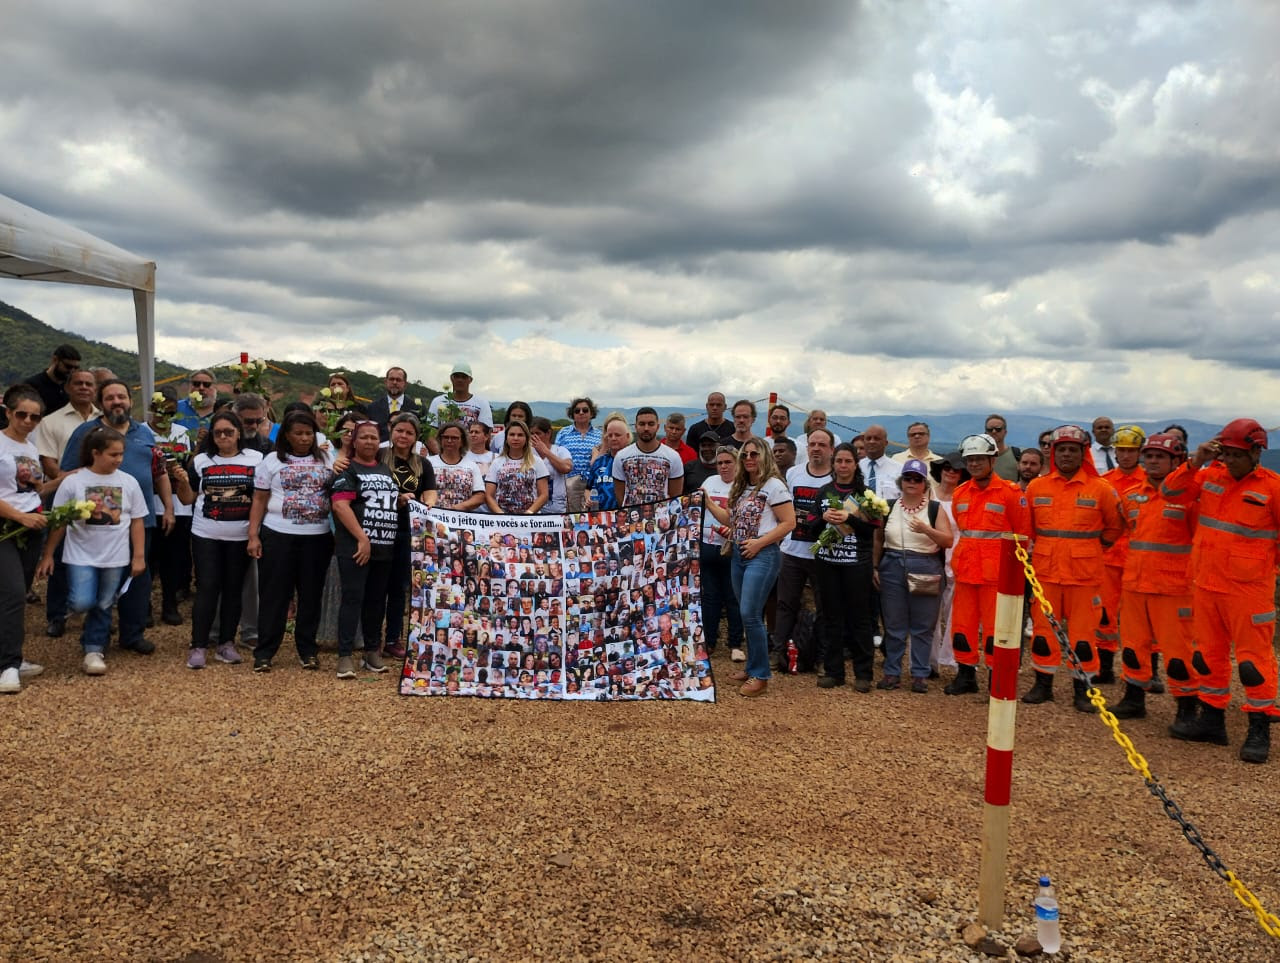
x=30 y=416
x=225 y=433
x=582 y=411
x=751 y=454
x=202 y=384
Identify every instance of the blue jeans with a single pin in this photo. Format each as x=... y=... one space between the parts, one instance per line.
x=752 y=581
x=718 y=598
x=906 y=615
x=93 y=590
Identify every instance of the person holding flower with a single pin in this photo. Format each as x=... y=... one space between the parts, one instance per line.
x=105 y=548
x=171 y=549
x=218 y=482
x=760 y=514
x=22 y=484
x=415 y=481
x=843 y=574
x=908 y=558
x=195 y=410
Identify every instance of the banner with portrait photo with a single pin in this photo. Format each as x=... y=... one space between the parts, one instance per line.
x=601 y=606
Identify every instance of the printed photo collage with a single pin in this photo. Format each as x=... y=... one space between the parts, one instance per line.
x=602 y=606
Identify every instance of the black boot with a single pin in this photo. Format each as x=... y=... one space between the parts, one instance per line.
x=1081 y=699
x=1257 y=744
x=1184 y=723
x=1042 y=691
x=1106 y=674
x=1156 y=687
x=169 y=613
x=1133 y=705
x=966 y=680
x=1210 y=727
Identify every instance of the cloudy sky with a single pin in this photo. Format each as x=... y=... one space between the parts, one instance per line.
x=883 y=206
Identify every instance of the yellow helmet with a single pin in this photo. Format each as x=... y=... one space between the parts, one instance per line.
x=1128 y=436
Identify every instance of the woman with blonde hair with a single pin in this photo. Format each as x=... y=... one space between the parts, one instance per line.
x=518 y=480
x=760 y=514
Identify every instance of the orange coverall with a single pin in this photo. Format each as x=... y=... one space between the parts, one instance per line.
x=1155 y=605
x=1113 y=560
x=982 y=517
x=1072 y=520
x=1234 y=561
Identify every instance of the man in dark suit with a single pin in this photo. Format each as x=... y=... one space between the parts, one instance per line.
x=393 y=402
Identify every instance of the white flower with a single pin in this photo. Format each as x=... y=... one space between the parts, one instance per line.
x=157 y=398
x=325 y=393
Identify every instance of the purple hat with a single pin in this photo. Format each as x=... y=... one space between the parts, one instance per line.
x=914 y=466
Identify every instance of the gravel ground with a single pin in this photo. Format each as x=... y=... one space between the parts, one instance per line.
x=162 y=814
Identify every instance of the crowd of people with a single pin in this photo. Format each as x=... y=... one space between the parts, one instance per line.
x=1144 y=550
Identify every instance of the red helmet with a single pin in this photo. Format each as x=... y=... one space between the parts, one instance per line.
x=1243 y=433
x=1068 y=435
x=1166 y=441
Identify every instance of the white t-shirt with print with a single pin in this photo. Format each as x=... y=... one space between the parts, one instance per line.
x=102 y=540
x=645 y=473
x=299 y=500
x=456 y=483
x=716 y=489
x=20 y=473
x=753 y=514
x=516 y=487
x=221 y=509
x=473 y=409
x=178 y=437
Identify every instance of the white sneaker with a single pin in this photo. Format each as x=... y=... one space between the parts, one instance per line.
x=737 y=655
x=94 y=664
x=29 y=670
x=9 y=681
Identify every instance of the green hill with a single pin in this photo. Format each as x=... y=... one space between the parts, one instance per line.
x=26 y=343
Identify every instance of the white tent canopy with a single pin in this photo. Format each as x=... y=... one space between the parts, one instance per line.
x=37 y=247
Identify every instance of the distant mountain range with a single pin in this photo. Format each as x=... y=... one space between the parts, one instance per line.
x=26 y=344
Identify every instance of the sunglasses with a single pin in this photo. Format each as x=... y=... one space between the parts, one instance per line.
x=251 y=421
x=202 y=384
x=751 y=454
x=225 y=433
x=30 y=416
x=994 y=428
x=582 y=411
x=914 y=478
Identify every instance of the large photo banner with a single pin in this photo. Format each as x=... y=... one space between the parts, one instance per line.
x=601 y=606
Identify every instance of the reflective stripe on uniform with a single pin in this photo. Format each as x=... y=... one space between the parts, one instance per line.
x=1211 y=690
x=1232 y=528
x=1173 y=512
x=1263 y=618
x=1259 y=703
x=970 y=533
x=1087 y=502
x=1213 y=487
x=1060 y=533
x=1160 y=547
x=1042 y=500
x=995 y=507
x=1184 y=613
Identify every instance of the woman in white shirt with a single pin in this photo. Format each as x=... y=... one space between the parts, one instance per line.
x=717 y=575
x=219 y=484
x=759 y=516
x=517 y=481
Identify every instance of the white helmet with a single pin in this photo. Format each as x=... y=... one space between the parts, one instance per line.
x=979 y=445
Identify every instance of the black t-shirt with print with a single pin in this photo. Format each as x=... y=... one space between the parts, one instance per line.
x=409 y=482
x=374 y=503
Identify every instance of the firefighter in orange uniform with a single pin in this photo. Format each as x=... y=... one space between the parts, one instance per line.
x=1234 y=561
x=1075 y=517
x=1127 y=476
x=985 y=508
x=1156 y=601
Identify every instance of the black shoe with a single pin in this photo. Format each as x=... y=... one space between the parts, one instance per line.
x=1042 y=691
x=1106 y=671
x=1133 y=705
x=151 y=621
x=1211 y=727
x=861 y=685
x=142 y=646
x=966 y=680
x=830 y=681
x=309 y=662
x=1184 y=723
x=1080 y=701
x=1257 y=744
x=171 y=616
x=1156 y=687
x=261 y=665
x=56 y=628
x=889 y=682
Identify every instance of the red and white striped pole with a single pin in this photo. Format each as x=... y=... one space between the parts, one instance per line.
x=1002 y=711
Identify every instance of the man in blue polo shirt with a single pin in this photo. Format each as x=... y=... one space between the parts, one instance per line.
x=142 y=462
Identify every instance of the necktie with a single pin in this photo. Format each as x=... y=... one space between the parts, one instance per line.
x=871 y=479
x=395 y=405
x=1107 y=454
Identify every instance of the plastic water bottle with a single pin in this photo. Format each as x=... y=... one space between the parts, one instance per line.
x=1047 y=932
x=793 y=656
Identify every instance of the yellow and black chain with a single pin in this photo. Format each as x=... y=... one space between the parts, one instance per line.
x=1269 y=922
